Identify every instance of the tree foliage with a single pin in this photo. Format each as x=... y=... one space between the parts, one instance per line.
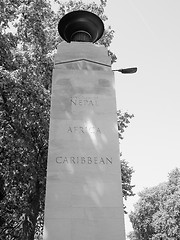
x=157 y=213
x=26 y=63
x=123 y=119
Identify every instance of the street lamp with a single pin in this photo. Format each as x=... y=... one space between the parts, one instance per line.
x=126 y=70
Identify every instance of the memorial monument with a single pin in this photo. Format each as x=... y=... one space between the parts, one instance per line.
x=83 y=192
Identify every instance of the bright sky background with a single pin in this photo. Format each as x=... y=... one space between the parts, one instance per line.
x=147 y=35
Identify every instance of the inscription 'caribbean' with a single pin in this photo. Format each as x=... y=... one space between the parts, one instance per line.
x=84 y=160
x=84 y=101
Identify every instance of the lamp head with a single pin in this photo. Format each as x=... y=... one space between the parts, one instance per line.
x=81 y=26
x=126 y=70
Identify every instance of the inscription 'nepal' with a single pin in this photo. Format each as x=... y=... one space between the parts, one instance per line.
x=83 y=130
x=84 y=101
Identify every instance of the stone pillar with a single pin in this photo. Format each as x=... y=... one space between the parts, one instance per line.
x=84 y=194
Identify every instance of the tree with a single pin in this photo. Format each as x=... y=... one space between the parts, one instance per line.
x=157 y=213
x=123 y=119
x=132 y=236
x=26 y=63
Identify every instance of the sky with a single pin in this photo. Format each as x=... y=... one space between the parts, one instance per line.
x=147 y=36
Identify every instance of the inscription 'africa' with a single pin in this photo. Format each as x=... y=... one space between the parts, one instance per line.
x=84 y=130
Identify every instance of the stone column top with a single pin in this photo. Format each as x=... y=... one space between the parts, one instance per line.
x=82 y=51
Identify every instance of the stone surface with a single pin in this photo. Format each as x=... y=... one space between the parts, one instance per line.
x=68 y=52
x=84 y=195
